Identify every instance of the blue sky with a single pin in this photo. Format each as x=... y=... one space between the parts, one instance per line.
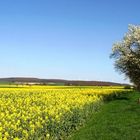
x=67 y=39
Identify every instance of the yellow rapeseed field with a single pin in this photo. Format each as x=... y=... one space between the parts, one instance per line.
x=35 y=113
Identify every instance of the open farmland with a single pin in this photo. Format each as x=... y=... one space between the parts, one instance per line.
x=48 y=112
x=118 y=119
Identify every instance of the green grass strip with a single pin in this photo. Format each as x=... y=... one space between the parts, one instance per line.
x=118 y=119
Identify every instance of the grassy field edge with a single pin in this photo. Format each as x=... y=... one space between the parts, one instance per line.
x=117 y=120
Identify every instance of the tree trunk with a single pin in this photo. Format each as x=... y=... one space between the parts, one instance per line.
x=138 y=87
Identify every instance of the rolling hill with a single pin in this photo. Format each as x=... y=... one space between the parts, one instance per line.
x=26 y=80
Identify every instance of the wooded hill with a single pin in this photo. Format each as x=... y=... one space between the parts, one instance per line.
x=26 y=80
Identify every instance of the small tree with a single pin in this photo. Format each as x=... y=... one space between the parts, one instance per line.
x=127 y=55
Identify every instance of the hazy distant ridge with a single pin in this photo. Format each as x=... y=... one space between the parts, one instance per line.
x=58 y=81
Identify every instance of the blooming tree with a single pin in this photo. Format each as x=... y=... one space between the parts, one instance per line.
x=127 y=55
